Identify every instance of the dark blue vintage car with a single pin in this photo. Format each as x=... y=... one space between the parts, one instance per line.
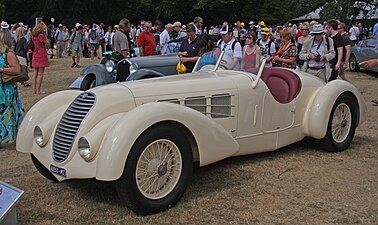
x=114 y=67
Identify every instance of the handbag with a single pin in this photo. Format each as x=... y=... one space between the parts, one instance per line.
x=180 y=68
x=14 y=78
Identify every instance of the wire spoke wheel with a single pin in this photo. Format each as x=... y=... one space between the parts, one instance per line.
x=158 y=169
x=341 y=122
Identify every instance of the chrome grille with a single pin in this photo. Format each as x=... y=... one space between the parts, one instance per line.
x=69 y=125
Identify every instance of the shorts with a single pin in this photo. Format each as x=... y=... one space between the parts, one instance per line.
x=77 y=52
x=93 y=47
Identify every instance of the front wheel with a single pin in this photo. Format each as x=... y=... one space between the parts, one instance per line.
x=353 y=64
x=88 y=82
x=157 y=171
x=342 y=124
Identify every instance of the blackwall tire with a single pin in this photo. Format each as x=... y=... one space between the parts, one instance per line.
x=157 y=171
x=342 y=124
x=353 y=64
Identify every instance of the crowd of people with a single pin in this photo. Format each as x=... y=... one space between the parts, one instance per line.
x=319 y=49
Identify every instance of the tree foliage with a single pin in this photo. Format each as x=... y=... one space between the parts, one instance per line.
x=213 y=11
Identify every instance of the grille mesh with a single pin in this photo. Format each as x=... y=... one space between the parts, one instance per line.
x=69 y=125
x=196 y=103
x=220 y=106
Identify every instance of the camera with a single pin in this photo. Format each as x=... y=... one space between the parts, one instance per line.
x=317 y=58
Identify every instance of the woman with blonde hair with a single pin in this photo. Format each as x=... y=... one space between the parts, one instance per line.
x=287 y=53
x=251 y=53
x=305 y=36
x=21 y=48
x=11 y=110
x=39 y=61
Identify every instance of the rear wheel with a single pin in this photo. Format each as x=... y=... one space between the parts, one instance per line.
x=342 y=124
x=88 y=82
x=353 y=64
x=157 y=171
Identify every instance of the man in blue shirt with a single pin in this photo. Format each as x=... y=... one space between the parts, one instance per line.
x=59 y=41
x=375 y=29
x=188 y=52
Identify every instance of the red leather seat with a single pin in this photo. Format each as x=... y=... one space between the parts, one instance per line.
x=284 y=84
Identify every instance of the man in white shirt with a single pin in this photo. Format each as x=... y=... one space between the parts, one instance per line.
x=165 y=38
x=267 y=47
x=232 y=49
x=353 y=34
x=198 y=22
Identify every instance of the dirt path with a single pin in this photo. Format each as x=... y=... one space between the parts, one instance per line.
x=299 y=184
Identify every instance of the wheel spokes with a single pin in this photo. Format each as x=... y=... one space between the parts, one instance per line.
x=158 y=169
x=341 y=122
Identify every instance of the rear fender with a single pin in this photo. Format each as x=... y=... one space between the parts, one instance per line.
x=319 y=110
x=213 y=141
x=97 y=70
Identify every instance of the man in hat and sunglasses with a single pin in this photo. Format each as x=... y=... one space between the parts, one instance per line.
x=232 y=49
x=317 y=52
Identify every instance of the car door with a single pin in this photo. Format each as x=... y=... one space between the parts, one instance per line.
x=276 y=116
x=369 y=49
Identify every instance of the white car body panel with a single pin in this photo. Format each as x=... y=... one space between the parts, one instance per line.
x=123 y=111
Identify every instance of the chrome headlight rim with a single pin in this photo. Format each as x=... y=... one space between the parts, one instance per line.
x=133 y=68
x=38 y=136
x=110 y=66
x=84 y=149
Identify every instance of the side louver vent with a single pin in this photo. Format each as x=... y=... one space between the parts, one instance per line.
x=221 y=106
x=196 y=103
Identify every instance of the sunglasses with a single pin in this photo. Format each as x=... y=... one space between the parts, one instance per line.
x=304 y=29
x=249 y=37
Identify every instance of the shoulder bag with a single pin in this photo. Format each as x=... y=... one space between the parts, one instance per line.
x=14 y=78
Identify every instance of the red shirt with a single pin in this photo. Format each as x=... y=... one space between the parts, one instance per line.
x=148 y=43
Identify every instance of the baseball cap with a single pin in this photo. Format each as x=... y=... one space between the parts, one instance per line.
x=226 y=29
x=265 y=31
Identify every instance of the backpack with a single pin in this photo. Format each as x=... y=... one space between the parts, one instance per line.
x=93 y=35
x=269 y=44
x=232 y=46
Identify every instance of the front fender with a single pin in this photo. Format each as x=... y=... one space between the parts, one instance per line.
x=213 y=141
x=321 y=107
x=142 y=73
x=99 y=71
x=46 y=112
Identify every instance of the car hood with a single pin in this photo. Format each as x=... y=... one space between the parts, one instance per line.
x=155 y=61
x=176 y=85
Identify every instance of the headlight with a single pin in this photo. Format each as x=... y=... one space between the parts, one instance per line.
x=84 y=149
x=38 y=136
x=110 y=66
x=133 y=68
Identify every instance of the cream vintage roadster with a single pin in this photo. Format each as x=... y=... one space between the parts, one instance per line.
x=148 y=135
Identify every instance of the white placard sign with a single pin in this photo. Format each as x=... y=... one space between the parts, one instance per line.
x=9 y=196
